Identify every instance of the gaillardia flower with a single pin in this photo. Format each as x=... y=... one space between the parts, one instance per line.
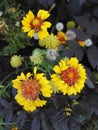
x=69 y=76
x=36 y=24
x=30 y=90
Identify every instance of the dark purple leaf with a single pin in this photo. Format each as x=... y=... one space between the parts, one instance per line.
x=73 y=44
x=95 y=13
x=74 y=7
x=92 y=54
x=35 y=123
x=80 y=20
x=80 y=35
x=82 y=2
x=4 y=103
x=90 y=79
x=9 y=116
x=63 y=125
x=90 y=24
x=68 y=53
x=79 y=54
x=73 y=125
x=21 y=119
x=93 y=1
x=46 y=2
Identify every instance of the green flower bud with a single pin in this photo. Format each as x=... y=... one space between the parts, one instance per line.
x=70 y=24
x=15 y=61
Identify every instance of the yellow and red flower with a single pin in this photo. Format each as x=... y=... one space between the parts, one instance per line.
x=69 y=76
x=31 y=89
x=36 y=24
x=62 y=37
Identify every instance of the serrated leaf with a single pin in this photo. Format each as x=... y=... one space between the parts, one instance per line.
x=92 y=54
x=90 y=24
x=80 y=20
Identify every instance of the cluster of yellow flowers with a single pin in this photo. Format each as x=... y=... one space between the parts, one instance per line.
x=69 y=75
x=69 y=78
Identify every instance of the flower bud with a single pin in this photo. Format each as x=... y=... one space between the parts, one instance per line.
x=15 y=61
x=70 y=24
x=52 y=54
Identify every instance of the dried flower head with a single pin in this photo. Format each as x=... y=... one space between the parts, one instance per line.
x=37 y=56
x=11 y=10
x=3 y=26
x=59 y=26
x=71 y=35
x=52 y=54
x=88 y=42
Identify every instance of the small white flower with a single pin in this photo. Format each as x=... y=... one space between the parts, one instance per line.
x=88 y=42
x=36 y=36
x=1 y=13
x=52 y=54
x=59 y=26
x=17 y=24
x=71 y=35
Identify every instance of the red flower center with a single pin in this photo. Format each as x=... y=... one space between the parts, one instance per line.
x=70 y=75
x=31 y=89
x=36 y=23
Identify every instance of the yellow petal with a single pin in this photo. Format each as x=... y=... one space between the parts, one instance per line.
x=31 y=33
x=43 y=14
x=45 y=25
x=73 y=62
x=57 y=69
x=30 y=15
x=43 y=34
x=39 y=103
x=26 y=29
x=35 y=70
x=22 y=76
x=28 y=75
